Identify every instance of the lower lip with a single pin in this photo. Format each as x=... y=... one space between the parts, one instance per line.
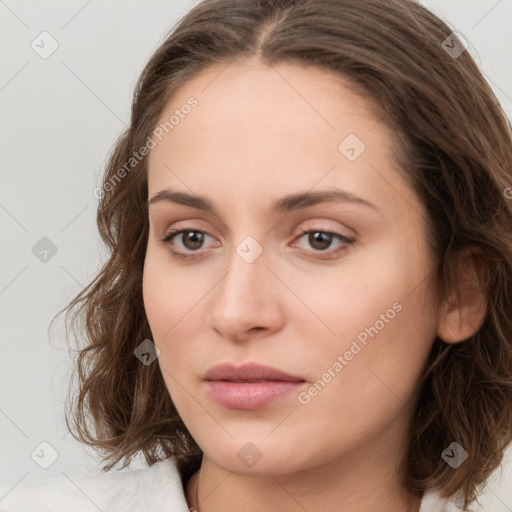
x=249 y=395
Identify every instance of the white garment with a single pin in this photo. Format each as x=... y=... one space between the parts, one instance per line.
x=157 y=488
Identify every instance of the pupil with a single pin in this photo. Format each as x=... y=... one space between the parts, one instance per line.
x=317 y=237
x=196 y=238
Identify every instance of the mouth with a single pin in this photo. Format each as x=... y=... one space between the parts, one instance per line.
x=250 y=386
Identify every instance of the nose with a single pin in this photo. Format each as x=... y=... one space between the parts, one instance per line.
x=247 y=300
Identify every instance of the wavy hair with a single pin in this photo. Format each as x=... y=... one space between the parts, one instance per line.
x=455 y=148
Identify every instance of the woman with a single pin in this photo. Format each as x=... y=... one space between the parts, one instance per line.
x=307 y=305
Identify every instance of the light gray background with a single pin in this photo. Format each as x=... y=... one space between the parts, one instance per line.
x=60 y=117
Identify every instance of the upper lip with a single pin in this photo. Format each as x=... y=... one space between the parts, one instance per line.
x=248 y=372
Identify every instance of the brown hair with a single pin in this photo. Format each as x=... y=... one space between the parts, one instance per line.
x=455 y=148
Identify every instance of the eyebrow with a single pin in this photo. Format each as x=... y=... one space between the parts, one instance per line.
x=285 y=204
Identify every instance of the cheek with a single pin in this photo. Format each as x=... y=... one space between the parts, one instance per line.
x=155 y=300
x=168 y=320
x=169 y=304
x=176 y=302
x=385 y=323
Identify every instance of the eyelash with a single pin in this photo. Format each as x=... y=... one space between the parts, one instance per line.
x=333 y=253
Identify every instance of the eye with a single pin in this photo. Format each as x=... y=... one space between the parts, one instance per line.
x=192 y=241
x=321 y=240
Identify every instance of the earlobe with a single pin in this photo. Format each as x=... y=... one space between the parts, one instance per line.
x=462 y=313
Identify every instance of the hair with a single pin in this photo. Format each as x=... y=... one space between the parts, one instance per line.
x=455 y=148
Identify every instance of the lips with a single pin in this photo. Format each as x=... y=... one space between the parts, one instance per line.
x=250 y=386
x=249 y=372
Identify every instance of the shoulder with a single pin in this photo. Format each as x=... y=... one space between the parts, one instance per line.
x=154 y=488
x=433 y=502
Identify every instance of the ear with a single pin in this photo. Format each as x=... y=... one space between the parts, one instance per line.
x=462 y=313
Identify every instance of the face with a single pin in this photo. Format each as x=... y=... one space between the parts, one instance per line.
x=337 y=292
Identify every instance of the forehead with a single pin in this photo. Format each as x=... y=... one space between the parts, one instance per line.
x=255 y=125
x=240 y=97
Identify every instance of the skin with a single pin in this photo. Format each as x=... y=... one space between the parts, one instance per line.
x=259 y=133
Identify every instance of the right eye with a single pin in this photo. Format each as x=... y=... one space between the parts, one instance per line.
x=193 y=241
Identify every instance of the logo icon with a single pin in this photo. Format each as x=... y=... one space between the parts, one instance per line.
x=249 y=455
x=249 y=249
x=351 y=147
x=147 y=352
x=44 y=45
x=44 y=455
x=454 y=45
x=44 y=250
x=454 y=455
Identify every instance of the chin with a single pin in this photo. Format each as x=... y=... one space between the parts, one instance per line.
x=259 y=455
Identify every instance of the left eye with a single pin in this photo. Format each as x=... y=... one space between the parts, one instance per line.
x=321 y=240
x=193 y=239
